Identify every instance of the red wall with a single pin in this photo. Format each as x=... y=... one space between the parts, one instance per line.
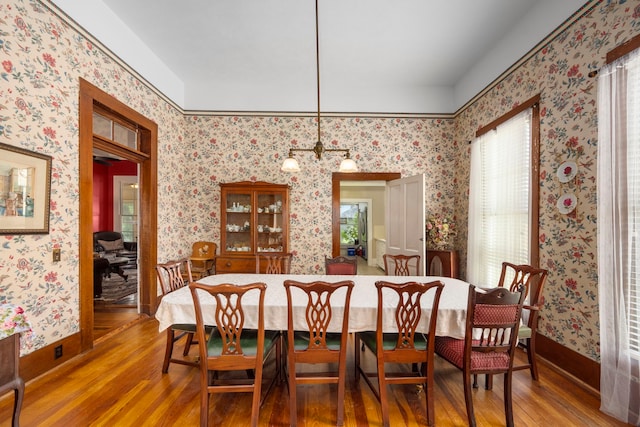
x=103 y=191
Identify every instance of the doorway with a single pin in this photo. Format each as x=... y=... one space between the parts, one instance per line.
x=144 y=153
x=336 y=180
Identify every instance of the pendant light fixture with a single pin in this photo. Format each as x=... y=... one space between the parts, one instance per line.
x=290 y=164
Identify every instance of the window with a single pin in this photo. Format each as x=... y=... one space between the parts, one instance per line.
x=125 y=204
x=349 y=223
x=503 y=206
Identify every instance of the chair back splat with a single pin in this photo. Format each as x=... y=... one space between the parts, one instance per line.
x=341 y=266
x=231 y=347
x=401 y=265
x=273 y=263
x=493 y=318
x=411 y=343
x=174 y=275
x=310 y=338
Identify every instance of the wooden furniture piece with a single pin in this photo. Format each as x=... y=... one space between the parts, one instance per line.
x=254 y=219
x=315 y=344
x=172 y=277
x=273 y=263
x=112 y=242
x=401 y=265
x=442 y=263
x=9 y=377
x=231 y=347
x=493 y=317
x=341 y=266
x=177 y=307
x=100 y=269
x=405 y=346
x=203 y=256
x=533 y=280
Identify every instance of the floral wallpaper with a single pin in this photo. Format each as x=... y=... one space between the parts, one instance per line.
x=252 y=148
x=43 y=56
x=559 y=72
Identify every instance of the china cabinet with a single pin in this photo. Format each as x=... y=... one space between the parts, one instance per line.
x=442 y=263
x=254 y=219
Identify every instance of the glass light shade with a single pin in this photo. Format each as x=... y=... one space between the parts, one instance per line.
x=290 y=165
x=348 y=165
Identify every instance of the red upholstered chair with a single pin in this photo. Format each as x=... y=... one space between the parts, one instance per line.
x=172 y=276
x=314 y=344
x=273 y=263
x=401 y=265
x=491 y=334
x=408 y=345
x=341 y=266
x=533 y=279
x=231 y=347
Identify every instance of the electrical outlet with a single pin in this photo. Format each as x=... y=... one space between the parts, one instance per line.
x=57 y=352
x=56 y=254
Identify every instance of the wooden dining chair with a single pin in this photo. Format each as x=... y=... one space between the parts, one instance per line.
x=491 y=334
x=172 y=277
x=401 y=265
x=203 y=255
x=407 y=345
x=231 y=347
x=275 y=263
x=533 y=279
x=341 y=266
x=309 y=340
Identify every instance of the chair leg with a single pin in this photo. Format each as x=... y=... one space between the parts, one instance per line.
x=17 y=401
x=293 y=404
x=382 y=391
x=531 y=355
x=187 y=345
x=342 y=373
x=468 y=399
x=257 y=391
x=508 y=404
x=488 y=382
x=356 y=357
x=427 y=371
x=168 y=350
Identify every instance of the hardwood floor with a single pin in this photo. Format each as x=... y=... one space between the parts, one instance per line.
x=120 y=383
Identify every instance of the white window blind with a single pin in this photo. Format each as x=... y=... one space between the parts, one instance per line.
x=633 y=189
x=500 y=194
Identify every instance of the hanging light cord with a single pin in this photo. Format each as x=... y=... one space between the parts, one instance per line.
x=318 y=67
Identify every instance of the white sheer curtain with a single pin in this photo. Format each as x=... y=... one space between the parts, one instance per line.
x=618 y=243
x=499 y=197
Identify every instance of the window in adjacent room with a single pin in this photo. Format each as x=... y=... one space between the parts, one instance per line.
x=503 y=194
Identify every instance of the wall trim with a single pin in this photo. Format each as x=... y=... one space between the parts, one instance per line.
x=43 y=360
x=585 y=369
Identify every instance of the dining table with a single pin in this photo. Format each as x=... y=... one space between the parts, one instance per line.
x=177 y=307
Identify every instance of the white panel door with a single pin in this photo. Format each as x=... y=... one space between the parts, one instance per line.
x=405 y=212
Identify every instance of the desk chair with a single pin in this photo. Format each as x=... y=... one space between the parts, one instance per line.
x=341 y=266
x=533 y=280
x=275 y=263
x=230 y=347
x=314 y=344
x=491 y=334
x=405 y=346
x=171 y=276
x=401 y=265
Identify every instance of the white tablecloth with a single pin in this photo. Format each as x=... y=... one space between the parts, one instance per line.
x=177 y=307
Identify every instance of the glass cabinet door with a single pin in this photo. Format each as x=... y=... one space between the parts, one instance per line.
x=270 y=226
x=238 y=223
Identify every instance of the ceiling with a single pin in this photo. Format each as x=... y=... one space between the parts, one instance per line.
x=376 y=56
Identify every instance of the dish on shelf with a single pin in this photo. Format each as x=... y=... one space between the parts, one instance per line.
x=567 y=203
x=567 y=171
